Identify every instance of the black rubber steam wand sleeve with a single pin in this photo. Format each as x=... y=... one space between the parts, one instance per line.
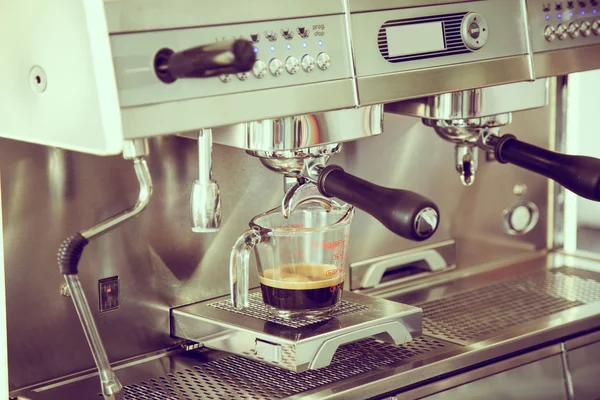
x=579 y=174
x=69 y=254
x=396 y=209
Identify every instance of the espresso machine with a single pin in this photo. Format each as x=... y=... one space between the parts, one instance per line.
x=454 y=286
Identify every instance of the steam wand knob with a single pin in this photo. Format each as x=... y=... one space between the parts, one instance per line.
x=226 y=57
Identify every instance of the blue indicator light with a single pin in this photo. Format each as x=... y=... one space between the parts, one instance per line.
x=320 y=43
x=547 y=18
x=582 y=12
x=272 y=48
x=288 y=46
x=571 y=14
x=594 y=11
x=255 y=50
x=304 y=44
x=559 y=16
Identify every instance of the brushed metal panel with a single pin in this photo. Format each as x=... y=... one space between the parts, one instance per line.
x=372 y=5
x=187 y=115
x=144 y=15
x=506 y=26
x=449 y=78
x=539 y=380
x=584 y=366
x=48 y=194
x=562 y=62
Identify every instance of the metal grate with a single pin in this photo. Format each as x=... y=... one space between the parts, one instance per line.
x=236 y=377
x=467 y=316
x=258 y=309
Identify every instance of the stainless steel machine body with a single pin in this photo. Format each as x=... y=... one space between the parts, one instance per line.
x=498 y=300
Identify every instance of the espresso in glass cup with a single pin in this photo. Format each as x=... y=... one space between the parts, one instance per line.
x=301 y=260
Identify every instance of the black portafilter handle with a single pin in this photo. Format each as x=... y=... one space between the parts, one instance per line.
x=405 y=213
x=579 y=174
x=227 y=57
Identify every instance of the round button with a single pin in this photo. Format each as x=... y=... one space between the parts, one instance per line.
x=276 y=66
x=550 y=33
x=259 y=69
x=521 y=218
x=586 y=28
x=225 y=78
x=596 y=27
x=474 y=31
x=242 y=76
x=292 y=65
x=308 y=63
x=561 y=31
x=573 y=30
x=323 y=61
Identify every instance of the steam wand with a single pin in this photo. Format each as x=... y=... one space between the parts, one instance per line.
x=71 y=251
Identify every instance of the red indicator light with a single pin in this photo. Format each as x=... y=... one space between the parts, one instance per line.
x=109 y=290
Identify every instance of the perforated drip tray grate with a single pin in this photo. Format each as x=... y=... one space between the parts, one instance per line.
x=466 y=316
x=236 y=377
x=258 y=309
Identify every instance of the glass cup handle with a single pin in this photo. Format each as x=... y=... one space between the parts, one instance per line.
x=239 y=265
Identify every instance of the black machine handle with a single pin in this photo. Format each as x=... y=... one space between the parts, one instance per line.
x=579 y=174
x=405 y=213
x=227 y=57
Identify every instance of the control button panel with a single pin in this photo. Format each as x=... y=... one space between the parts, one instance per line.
x=108 y=294
x=474 y=31
x=563 y=24
x=289 y=52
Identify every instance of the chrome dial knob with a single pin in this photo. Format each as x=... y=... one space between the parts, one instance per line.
x=561 y=31
x=323 y=61
x=573 y=30
x=292 y=65
x=550 y=33
x=596 y=27
x=276 y=66
x=308 y=63
x=586 y=28
x=260 y=69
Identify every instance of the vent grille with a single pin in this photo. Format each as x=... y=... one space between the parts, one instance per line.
x=258 y=309
x=470 y=315
x=236 y=377
x=453 y=42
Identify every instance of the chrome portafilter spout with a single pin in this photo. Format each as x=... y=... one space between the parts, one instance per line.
x=466 y=135
x=205 y=198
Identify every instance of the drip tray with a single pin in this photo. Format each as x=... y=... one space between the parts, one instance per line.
x=296 y=345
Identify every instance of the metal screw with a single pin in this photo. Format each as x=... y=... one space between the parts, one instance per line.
x=64 y=290
x=520 y=189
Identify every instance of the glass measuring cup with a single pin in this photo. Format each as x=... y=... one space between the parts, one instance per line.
x=301 y=259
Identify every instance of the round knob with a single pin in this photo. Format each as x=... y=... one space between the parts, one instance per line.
x=292 y=65
x=596 y=27
x=573 y=30
x=550 y=33
x=521 y=218
x=323 y=61
x=225 y=78
x=561 y=31
x=242 y=76
x=276 y=66
x=308 y=63
x=474 y=31
x=260 y=69
x=586 y=28
x=221 y=58
x=426 y=222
